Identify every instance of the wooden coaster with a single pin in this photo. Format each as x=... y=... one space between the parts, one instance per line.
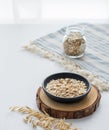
x=79 y=109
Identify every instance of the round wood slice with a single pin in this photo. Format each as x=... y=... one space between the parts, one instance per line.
x=76 y=110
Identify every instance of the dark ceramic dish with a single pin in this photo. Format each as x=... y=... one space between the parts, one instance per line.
x=66 y=75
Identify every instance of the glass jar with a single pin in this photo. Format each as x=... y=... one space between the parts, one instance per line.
x=74 y=42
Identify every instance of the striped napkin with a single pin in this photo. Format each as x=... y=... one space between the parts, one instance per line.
x=96 y=58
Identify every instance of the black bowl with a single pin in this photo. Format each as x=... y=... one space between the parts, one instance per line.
x=66 y=75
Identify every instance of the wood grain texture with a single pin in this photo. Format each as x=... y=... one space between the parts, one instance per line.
x=80 y=109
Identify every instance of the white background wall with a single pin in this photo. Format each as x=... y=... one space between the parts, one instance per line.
x=52 y=11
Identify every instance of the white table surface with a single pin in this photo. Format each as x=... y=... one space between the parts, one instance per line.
x=21 y=73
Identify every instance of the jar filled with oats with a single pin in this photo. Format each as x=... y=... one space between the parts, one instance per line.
x=74 y=42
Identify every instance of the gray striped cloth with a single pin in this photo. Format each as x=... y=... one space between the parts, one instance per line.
x=96 y=57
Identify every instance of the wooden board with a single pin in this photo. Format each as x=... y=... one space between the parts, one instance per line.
x=79 y=109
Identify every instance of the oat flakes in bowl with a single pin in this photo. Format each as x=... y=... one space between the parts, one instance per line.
x=66 y=87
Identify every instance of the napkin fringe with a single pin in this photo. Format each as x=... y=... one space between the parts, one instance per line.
x=70 y=65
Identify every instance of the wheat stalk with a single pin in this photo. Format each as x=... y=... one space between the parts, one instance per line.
x=42 y=119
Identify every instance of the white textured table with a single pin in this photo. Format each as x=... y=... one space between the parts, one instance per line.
x=22 y=72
